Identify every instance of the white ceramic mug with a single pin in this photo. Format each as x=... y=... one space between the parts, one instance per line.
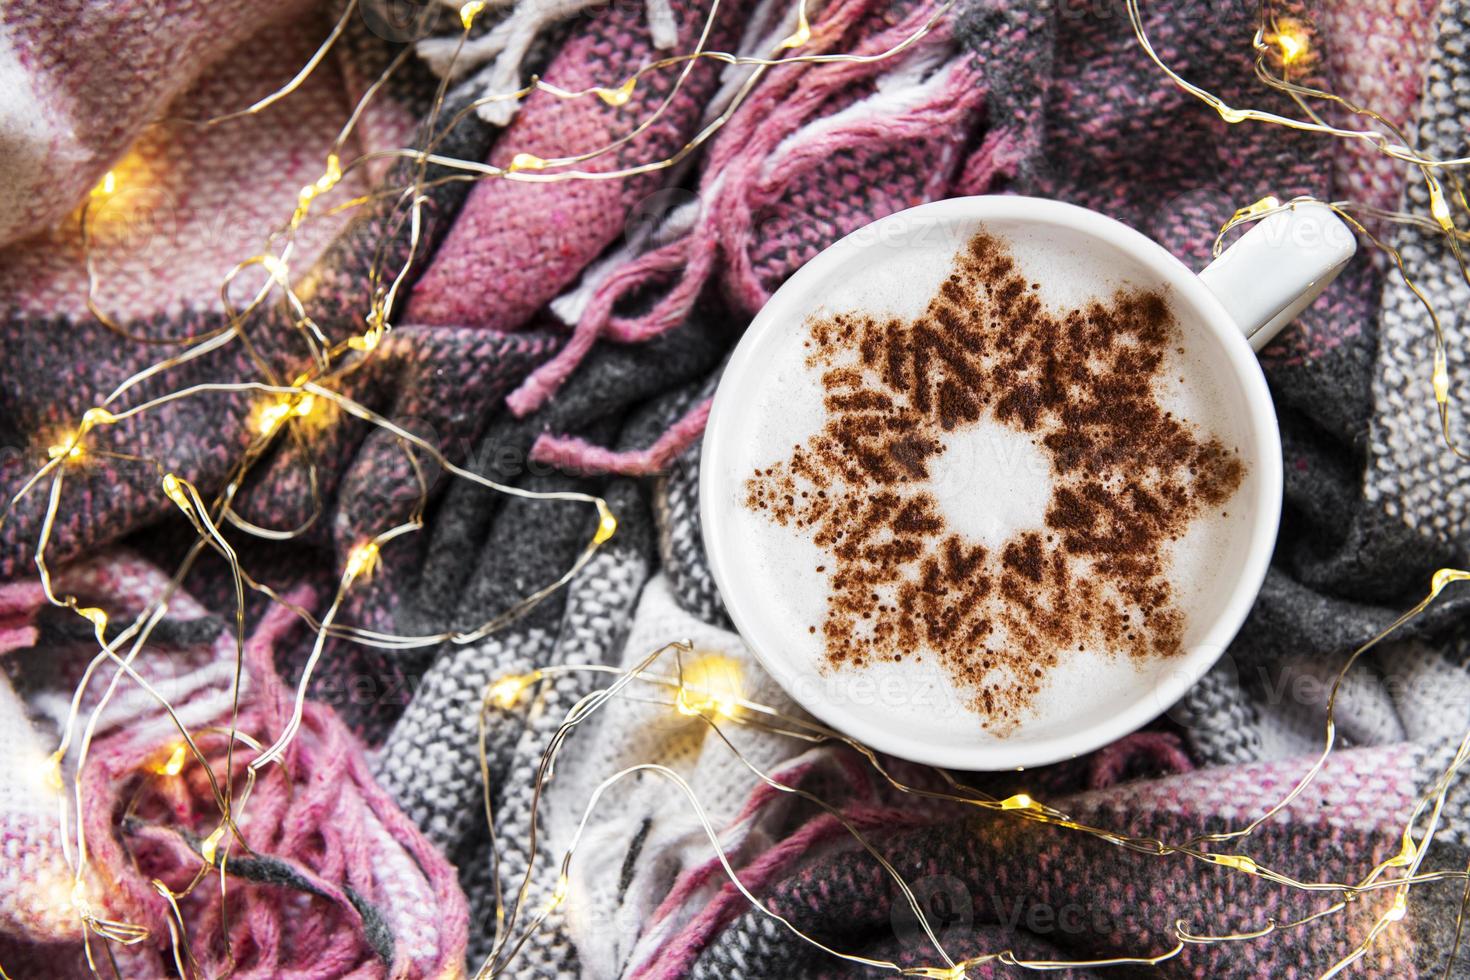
x=1238 y=303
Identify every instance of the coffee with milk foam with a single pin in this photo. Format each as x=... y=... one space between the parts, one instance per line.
x=993 y=476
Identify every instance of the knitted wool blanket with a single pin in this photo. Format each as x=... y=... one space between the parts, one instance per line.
x=569 y=336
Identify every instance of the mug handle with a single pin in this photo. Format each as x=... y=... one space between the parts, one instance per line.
x=1278 y=267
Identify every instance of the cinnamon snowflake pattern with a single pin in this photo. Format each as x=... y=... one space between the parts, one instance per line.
x=1127 y=478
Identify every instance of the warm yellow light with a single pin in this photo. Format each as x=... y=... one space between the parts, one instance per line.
x=70 y=445
x=211 y=843
x=1292 y=45
x=96 y=617
x=469 y=12
x=361 y=559
x=1289 y=40
x=368 y=341
x=276 y=268
x=506 y=692
x=173 y=488
x=107 y=185
x=607 y=522
x=803 y=32
x=711 y=683
x=525 y=161
x=70 y=448
x=620 y=95
x=1398 y=910
x=1018 y=802
x=1441 y=377
x=174 y=764
x=1439 y=207
x=1266 y=204
x=272 y=415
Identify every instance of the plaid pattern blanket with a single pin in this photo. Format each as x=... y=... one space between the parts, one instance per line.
x=567 y=336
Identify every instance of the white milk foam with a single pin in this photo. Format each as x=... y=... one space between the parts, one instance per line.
x=992 y=482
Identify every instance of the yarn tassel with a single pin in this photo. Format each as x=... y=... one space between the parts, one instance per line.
x=771 y=124
x=579 y=456
x=386 y=902
x=1161 y=751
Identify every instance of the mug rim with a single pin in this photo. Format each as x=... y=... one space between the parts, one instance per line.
x=1154 y=698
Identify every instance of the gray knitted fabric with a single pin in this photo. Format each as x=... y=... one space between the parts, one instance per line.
x=680 y=544
x=1374 y=503
x=485 y=554
x=1412 y=478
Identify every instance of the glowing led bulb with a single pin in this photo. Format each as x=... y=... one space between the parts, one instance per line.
x=211 y=843
x=620 y=95
x=506 y=692
x=105 y=186
x=173 y=488
x=525 y=161
x=607 y=523
x=69 y=448
x=1293 y=43
x=1268 y=203
x=367 y=341
x=1398 y=910
x=79 y=898
x=801 y=35
x=361 y=559
x=97 y=618
x=469 y=12
x=1018 y=802
x=1439 y=207
x=275 y=267
x=174 y=764
x=712 y=684
x=271 y=416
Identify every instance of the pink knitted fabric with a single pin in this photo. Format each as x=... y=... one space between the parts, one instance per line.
x=1376 y=60
x=580 y=456
x=332 y=881
x=67 y=113
x=164 y=240
x=515 y=245
x=816 y=867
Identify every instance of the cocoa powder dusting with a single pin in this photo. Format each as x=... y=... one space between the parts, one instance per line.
x=1127 y=478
